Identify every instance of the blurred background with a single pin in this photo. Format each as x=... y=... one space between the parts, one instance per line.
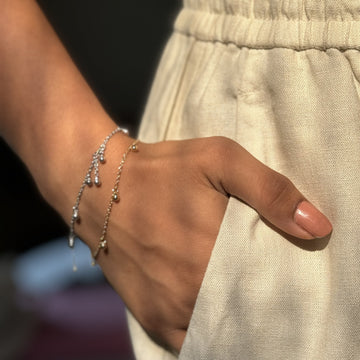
x=46 y=310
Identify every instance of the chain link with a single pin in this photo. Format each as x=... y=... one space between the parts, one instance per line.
x=97 y=157
x=103 y=245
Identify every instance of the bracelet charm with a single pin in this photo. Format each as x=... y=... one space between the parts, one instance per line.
x=103 y=245
x=93 y=172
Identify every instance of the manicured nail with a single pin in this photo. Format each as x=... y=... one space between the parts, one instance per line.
x=312 y=220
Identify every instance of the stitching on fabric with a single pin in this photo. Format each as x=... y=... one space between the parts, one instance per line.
x=179 y=85
x=189 y=23
x=262 y=47
x=269 y=19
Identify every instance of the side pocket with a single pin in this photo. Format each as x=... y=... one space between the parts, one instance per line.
x=210 y=308
x=144 y=347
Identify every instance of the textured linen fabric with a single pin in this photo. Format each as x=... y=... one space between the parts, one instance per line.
x=282 y=78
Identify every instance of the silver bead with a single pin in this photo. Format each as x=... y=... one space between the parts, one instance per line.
x=71 y=240
x=97 y=181
x=102 y=158
x=75 y=214
x=88 y=181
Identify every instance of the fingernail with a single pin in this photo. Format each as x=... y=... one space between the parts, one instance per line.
x=312 y=220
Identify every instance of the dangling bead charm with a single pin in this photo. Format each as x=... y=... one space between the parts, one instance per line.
x=97 y=181
x=88 y=181
x=103 y=244
x=134 y=147
x=115 y=196
x=92 y=177
x=71 y=240
x=75 y=215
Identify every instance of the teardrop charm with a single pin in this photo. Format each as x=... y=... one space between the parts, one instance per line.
x=75 y=214
x=71 y=240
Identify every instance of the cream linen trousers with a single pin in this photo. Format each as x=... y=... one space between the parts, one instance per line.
x=282 y=78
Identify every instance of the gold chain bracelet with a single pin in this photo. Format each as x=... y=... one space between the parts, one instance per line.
x=103 y=245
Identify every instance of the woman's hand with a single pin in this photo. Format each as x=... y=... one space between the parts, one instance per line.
x=161 y=233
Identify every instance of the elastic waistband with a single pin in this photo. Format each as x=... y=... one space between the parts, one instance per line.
x=271 y=29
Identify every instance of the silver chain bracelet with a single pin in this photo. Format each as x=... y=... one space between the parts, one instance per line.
x=92 y=176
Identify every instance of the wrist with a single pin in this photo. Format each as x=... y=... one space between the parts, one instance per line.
x=67 y=160
x=103 y=176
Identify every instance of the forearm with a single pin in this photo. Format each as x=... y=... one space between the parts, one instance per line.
x=48 y=113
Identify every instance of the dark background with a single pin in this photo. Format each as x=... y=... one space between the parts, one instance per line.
x=117 y=45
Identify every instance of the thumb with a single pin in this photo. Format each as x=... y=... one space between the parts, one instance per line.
x=273 y=195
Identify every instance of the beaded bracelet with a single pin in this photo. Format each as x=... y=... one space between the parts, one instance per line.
x=92 y=175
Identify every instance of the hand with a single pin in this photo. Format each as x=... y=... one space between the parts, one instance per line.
x=161 y=233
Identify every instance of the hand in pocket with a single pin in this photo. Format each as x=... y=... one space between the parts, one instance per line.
x=173 y=198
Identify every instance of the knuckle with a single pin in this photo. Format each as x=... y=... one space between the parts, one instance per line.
x=222 y=147
x=276 y=191
x=216 y=155
x=218 y=149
